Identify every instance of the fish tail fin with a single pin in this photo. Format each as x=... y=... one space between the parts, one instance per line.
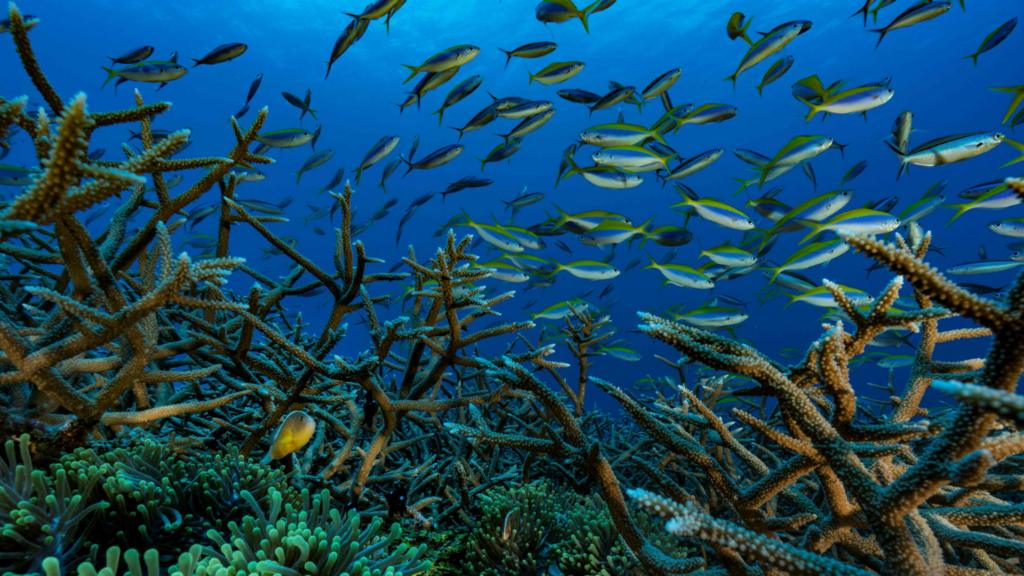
x=901 y=155
x=298 y=177
x=732 y=78
x=1019 y=146
x=413 y=71
x=864 y=11
x=657 y=136
x=775 y=274
x=961 y=209
x=816 y=228
x=881 y=33
x=408 y=166
x=583 y=14
x=744 y=184
x=508 y=56
x=111 y=74
x=459 y=130
x=532 y=76
x=972 y=57
x=359 y=175
x=440 y=115
x=312 y=113
x=195 y=62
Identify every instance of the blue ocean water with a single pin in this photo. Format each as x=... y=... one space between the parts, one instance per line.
x=630 y=43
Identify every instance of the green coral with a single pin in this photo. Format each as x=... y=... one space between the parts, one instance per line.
x=514 y=530
x=311 y=537
x=168 y=498
x=40 y=515
x=130 y=563
x=592 y=546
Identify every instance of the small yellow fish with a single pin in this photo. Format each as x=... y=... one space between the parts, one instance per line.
x=295 y=432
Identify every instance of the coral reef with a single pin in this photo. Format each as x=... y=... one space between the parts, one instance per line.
x=144 y=390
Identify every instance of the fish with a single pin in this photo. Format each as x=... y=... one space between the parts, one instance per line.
x=619 y=352
x=561 y=310
x=693 y=164
x=822 y=297
x=529 y=125
x=901 y=130
x=661 y=84
x=464 y=183
x=809 y=172
x=858 y=100
x=295 y=431
x=682 y=275
x=737 y=27
x=133 y=56
x=857 y=221
x=376 y=153
x=670 y=236
x=429 y=81
x=799 y=149
x=222 y=53
x=1010 y=227
x=920 y=12
x=777 y=70
x=589 y=270
x=504 y=271
x=254 y=86
x=349 y=36
x=558 y=11
x=947 y=150
x=630 y=158
x=729 y=256
x=439 y=157
x=530 y=50
x=557 y=72
x=501 y=151
x=15 y=175
x=718 y=212
x=524 y=109
x=522 y=200
x=300 y=103
x=495 y=236
x=1018 y=98
x=150 y=72
x=993 y=39
x=811 y=255
x=711 y=316
x=451 y=57
x=335 y=181
x=377 y=9
x=769 y=45
x=612 y=98
x=479 y=120
x=611 y=232
x=285 y=138
x=458 y=93
x=248 y=175
x=619 y=134
x=578 y=96
x=984 y=267
x=995 y=199
x=927 y=204
x=315 y=160
x=388 y=170
x=852 y=172
x=316 y=136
